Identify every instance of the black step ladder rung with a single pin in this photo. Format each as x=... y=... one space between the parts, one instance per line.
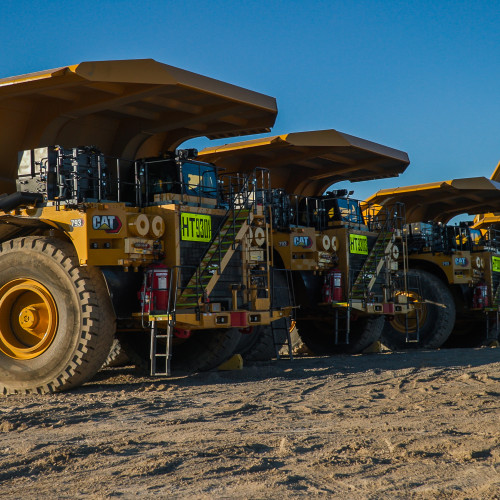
x=155 y=355
x=337 y=330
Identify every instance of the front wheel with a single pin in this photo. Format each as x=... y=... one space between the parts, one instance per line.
x=56 y=318
x=435 y=320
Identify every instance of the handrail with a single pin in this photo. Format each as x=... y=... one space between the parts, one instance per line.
x=436 y=237
x=388 y=221
x=240 y=193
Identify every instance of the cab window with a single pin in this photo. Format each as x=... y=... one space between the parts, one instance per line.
x=199 y=179
x=349 y=211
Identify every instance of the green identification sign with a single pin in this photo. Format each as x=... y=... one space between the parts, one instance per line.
x=495 y=264
x=196 y=227
x=358 y=244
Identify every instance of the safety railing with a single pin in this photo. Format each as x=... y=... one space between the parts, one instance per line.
x=241 y=196
x=437 y=237
x=489 y=239
x=376 y=274
x=290 y=210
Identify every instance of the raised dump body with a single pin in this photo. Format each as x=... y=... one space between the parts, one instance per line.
x=489 y=220
x=308 y=163
x=128 y=109
x=343 y=262
x=101 y=232
x=457 y=266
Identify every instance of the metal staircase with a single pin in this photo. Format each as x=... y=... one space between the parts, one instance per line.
x=373 y=265
x=215 y=260
x=496 y=297
x=227 y=239
x=388 y=222
x=492 y=331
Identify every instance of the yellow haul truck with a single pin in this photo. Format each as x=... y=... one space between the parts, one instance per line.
x=344 y=264
x=130 y=239
x=455 y=268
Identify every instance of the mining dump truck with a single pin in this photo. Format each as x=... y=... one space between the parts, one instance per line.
x=456 y=269
x=343 y=263
x=105 y=226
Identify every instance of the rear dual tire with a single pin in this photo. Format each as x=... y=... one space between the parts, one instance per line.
x=319 y=334
x=203 y=350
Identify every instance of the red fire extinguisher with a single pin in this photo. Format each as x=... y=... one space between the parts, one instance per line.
x=480 y=298
x=154 y=291
x=332 y=287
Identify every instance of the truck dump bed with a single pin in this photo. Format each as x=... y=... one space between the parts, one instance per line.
x=307 y=163
x=484 y=220
x=441 y=201
x=128 y=109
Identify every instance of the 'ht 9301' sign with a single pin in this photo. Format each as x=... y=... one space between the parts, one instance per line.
x=196 y=227
x=358 y=244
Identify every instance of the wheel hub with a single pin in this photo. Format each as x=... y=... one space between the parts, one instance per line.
x=28 y=319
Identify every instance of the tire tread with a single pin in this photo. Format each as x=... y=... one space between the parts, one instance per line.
x=98 y=321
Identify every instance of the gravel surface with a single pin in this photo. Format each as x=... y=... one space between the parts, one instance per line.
x=389 y=425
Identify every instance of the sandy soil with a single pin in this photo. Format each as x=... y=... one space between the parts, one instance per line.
x=394 y=425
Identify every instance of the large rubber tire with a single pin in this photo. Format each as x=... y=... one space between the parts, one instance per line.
x=470 y=332
x=117 y=356
x=435 y=323
x=82 y=318
x=319 y=336
x=259 y=345
x=204 y=350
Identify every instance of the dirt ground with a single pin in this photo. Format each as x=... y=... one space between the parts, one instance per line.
x=390 y=425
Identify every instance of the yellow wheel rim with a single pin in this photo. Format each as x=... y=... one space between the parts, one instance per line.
x=399 y=322
x=28 y=319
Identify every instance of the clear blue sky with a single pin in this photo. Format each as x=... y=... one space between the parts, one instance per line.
x=421 y=76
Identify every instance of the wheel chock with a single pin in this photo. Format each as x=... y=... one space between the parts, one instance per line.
x=233 y=363
x=373 y=348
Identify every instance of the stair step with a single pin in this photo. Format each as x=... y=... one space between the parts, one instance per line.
x=205 y=263
x=210 y=264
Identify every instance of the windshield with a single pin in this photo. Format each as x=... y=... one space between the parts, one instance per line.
x=171 y=176
x=475 y=236
x=199 y=179
x=349 y=211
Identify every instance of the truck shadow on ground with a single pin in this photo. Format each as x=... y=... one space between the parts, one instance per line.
x=300 y=368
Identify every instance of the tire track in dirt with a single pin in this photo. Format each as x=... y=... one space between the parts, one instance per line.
x=418 y=425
